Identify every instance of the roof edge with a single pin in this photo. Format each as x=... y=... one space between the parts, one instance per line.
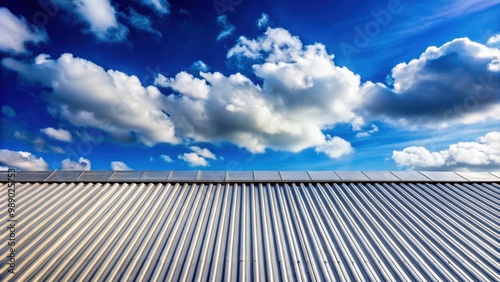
x=257 y=176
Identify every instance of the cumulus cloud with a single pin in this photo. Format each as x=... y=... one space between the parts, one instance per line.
x=99 y=15
x=484 y=153
x=263 y=21
x=81 y=164
x=8 y=111
x=494 y=41
x=86 y=95
x=302 y=93
x=160 y=6
x=186 y=84
x=117 y=165
x=57 y=134
x=22 y=160
x=141 y=22
x=166 y=158
x=16 y=32
x=201 y=66
x=367 y=133
x=203 y=152
x=198 y=157
x=457 y=83
x=193 y=159
x=335 y=147
x=227 y=27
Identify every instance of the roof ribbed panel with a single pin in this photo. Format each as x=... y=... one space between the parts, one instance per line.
x=255 y=231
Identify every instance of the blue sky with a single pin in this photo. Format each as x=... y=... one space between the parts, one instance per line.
x=261 y=85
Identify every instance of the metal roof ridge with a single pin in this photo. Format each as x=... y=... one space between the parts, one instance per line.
x=227 y=176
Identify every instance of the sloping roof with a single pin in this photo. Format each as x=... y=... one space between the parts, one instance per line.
x=122 y=226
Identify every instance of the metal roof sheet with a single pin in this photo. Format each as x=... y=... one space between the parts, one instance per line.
x=156 y=175
x=478 y=176
x=410 y=176
x=295 y=176
x=324 y=176
x=382 y=176
x=325 y=231
x=352 y=176
x=448 y=176
x=253 y=176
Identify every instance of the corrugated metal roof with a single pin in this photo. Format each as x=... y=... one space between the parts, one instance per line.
x=327 y=231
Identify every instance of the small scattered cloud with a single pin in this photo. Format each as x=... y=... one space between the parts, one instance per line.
x=368 y=132
x=335 y=147
x=162 y=7
x=81 y=164
x=198 y=157
x=118 y=165
x=141 y=22
x=38 y=143
x=99 y=15
x=57 y=134
x=22 y=160
x=201 y=66
x=483 y=154
x=166 y=158
x=203 y=152
x=263 y=21
x=494 y=41
x=16 y=32
x=227 y=27
x=8 y=111
x=193 y=159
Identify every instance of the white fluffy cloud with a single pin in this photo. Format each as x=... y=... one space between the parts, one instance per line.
x=198 y=157
x=194 y=159
x=166 y=158
x=81 y=164
x=100 y=16
x=494 y=41
x=335 y=147
x=263 y=21
x=186 y=84
x=57 y=134
x=227 y=27
x=484 y=153
x=203 y=152
x=22 y=160
x=86 y=95
x=457 y=83
x=303 y=93
x=118 y=165
x=16 y=32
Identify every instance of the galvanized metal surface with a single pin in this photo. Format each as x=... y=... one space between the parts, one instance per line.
x=202 y=176
x=255 y=232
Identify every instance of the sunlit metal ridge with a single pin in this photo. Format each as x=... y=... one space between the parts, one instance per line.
x=195 y=176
